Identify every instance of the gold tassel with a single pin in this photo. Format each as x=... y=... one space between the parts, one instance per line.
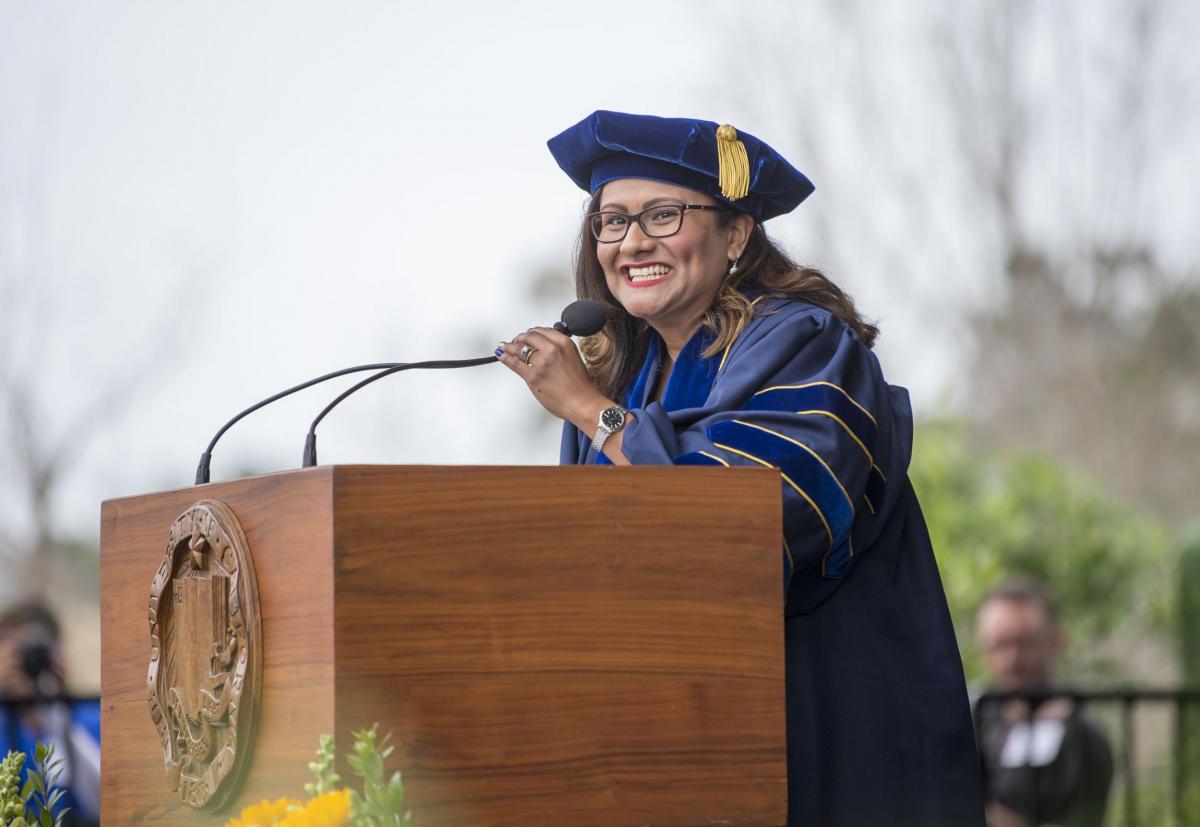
x=732 y=163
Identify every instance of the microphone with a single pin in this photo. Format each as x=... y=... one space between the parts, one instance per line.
x=310 y=440
x=202 y=469
x=579 y=318
x=582 y=318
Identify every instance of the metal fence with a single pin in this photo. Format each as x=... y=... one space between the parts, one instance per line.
x=1157 y=797
x=1146 y=798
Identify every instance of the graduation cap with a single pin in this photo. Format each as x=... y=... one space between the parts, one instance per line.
x=731 y=166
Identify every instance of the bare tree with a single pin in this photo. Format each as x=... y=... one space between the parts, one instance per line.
x=1023 y=152
x=1091 y=352
x=60 y=391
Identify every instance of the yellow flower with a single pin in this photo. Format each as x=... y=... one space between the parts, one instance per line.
x=264 y=814
x=329 y=810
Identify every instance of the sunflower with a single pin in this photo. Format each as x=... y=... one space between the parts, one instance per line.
x=264 y=814
x=329 y=810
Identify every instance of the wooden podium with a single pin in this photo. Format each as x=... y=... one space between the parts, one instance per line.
x=548 y=645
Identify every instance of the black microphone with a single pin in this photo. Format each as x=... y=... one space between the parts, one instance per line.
x=579 y=318
x=202 y=469
x=582 y=318
x=310 y=440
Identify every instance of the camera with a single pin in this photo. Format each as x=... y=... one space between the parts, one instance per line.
x=36 y=658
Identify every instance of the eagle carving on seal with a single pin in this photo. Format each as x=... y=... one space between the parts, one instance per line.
x=206 y=655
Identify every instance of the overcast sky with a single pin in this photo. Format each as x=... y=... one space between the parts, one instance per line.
x=236 y=197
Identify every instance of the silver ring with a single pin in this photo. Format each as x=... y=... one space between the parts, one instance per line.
x=526 y=352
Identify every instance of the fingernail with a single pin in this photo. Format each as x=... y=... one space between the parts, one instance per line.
x=498 y=351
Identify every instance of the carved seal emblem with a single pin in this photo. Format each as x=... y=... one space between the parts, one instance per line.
x=206 y=655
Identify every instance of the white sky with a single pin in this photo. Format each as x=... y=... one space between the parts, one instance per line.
x=239 y=196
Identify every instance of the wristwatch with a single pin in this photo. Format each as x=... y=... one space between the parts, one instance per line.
x=611 y=420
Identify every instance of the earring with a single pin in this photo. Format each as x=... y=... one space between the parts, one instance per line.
x=733 y=265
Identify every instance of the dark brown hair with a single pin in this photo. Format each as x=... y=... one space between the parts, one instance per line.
x=615 y=354
x=29 y=612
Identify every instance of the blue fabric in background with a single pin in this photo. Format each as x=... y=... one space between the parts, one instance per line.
x=81 y=785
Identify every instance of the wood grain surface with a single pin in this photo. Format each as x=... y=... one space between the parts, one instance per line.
x=597 y=646
x=548 y=645
x=289 y=527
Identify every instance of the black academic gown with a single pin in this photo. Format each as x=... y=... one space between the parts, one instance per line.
x=879 y=728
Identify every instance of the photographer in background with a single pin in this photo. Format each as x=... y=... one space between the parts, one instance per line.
x=32 y=707
x=1045 y=762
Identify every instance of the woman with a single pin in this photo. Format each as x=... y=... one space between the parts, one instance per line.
x=719 y=350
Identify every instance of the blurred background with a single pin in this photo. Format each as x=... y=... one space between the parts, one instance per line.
x=202 y=204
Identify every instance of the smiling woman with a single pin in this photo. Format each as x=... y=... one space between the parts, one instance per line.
x=719 y=350
x=668 y=273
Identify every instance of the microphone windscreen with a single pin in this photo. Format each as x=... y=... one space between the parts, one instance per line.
x=584 y=317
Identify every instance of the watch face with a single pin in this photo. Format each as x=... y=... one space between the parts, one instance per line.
x=612 y=418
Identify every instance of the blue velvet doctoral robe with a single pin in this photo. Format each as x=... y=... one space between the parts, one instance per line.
x=879 y=729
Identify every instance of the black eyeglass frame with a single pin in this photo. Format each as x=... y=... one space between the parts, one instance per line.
x=637 y=216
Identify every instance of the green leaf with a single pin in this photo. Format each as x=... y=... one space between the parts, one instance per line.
x=992 y=515
x=381 y=801
x=322 y=769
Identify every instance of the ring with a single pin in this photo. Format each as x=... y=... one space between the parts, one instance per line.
x=526 y=352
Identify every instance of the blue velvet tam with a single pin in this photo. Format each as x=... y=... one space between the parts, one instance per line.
x=732 y=166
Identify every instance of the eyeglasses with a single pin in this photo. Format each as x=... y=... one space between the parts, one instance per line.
x=658 y=221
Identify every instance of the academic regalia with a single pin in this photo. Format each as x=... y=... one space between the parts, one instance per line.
x=879 y=728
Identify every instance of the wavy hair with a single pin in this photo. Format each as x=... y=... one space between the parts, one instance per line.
x=615 y=354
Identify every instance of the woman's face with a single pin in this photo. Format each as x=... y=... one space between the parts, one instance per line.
x=669 y=282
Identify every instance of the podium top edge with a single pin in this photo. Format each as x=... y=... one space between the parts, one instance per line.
x=357 y=469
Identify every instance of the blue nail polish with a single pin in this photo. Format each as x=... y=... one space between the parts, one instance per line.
x=498 y=351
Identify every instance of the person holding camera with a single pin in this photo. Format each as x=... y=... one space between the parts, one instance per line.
x=33 y=707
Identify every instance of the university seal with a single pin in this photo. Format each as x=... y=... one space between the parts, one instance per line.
x=206 y=655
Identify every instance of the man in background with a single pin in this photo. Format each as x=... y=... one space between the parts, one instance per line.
x=32 y=707
x=1045 y=763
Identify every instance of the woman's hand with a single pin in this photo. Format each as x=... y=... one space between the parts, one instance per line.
x=556 y=376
